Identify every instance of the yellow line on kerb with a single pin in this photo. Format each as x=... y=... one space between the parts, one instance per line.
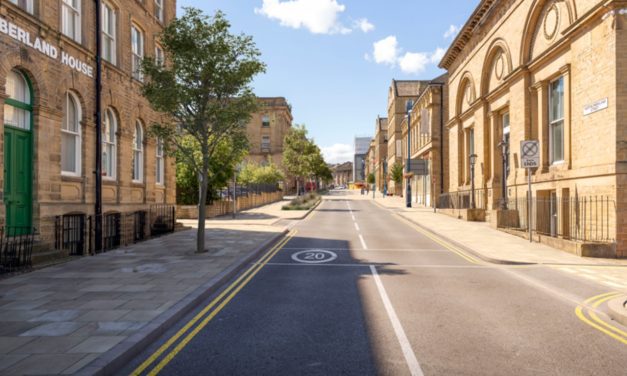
x=440 y=241
x=245 y=277
x=595 y=321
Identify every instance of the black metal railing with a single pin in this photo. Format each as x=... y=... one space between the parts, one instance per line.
x=73 y=234
x=463 y=200
x=162 y=219
x=139 y=226
x=111 y=234
x=585 y=219
x=16 y=248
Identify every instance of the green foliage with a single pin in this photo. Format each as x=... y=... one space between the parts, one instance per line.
x=297 y=150
x=371 y=178
x=204 y=91
x=396 y=173
x=253 y=173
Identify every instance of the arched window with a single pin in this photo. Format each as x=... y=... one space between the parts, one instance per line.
x=17 y=108
x=138 y=153
x=109 y=143
x=159 y=177
x=71 y=137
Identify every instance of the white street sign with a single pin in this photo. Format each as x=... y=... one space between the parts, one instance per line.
x=530 y=154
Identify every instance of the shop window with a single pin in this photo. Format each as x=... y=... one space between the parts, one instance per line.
x=109 y=49
x=160 y=162
x=138 y=153
x=137 y=47
x=556 y=121
x=71 y=137
x=17 y=107
x=71 y=19
x=109 y=145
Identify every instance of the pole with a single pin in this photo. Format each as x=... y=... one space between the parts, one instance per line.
x=98 y=170
x=529 y=203
x=234 y=194
x=472 y=185
x=408 y=167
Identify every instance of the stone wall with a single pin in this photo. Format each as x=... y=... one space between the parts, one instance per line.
x=220 y=208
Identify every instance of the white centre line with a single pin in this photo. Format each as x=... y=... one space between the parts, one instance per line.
x=363 y=242
x=357 y=227
x=410 y=357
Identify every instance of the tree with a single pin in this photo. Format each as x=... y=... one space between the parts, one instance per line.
x=204 y=89
x=371 y=178
x=253 y=173
x=297 y=151
x=316 y=166
x=396 y=173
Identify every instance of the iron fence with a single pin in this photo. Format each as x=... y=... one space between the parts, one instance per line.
x=111 y=234
x=162 y=219
x=584 y=219
x=463 y=199
x=73 y=233
x=16 y=248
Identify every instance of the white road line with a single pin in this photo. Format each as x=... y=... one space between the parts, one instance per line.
x=410 y=357
x=357 y=227
x=363 y=242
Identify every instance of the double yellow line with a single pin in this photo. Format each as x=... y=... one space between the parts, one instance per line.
x=440 y=241
x=231 y=291
x=586 y=313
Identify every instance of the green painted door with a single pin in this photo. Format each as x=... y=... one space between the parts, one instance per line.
x=18 y=177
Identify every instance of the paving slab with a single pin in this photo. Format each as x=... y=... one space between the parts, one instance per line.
x=88 y=315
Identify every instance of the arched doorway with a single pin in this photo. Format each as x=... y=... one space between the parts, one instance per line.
x=18 y=151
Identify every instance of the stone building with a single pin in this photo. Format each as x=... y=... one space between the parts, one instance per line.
x=556 y=72
x=48 y=103
x=381 y=153
x=362 y=144
x=267 y=130
x=370 y=159
x=399 y=94
x=428 y=141
x=342 y=174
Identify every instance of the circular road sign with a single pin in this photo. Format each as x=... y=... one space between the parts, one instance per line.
x=314 y=256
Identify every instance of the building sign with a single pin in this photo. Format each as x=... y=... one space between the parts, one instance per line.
x=595 y=107
x=419 y=167
x=530 y=154
x=24 y=37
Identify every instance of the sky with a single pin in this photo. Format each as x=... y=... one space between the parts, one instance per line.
x=334 y=60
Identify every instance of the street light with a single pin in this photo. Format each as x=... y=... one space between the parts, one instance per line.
x=505 y=154
x=408 y=107
x=473 y=160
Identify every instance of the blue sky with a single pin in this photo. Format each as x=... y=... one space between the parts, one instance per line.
x=334 y=59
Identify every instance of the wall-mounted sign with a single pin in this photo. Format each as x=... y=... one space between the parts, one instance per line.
x=596 y=107
x=24 y=37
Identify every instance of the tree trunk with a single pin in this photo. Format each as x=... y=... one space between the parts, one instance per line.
x=297 y=187
x=202 y=213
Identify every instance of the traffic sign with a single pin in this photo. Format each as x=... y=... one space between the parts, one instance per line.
x=530 y=154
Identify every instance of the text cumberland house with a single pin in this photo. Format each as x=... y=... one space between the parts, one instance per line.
x=48 y=137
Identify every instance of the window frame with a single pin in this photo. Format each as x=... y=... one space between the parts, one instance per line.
x=264 y=122
x=75 y=17
x=160 y=163
x=25 y=106
x=137 y=52
x=137 y=172
x=28 y=6
x=78 y=135
x=557 y=122
x=159 y=55
x=113 y=122
x=160 y=10
x=108 y=10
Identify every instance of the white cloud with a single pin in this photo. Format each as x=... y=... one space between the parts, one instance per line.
x=386 y=51
x=452 y=32
x=317 y=16
x=413 y=62
x=364 y=25
x=338 y=153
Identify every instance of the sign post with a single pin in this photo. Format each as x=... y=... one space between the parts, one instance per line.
x=530 y=159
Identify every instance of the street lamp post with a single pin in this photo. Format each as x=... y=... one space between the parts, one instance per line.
x=385 y=178
x=408 y=107
x=473 y=160
x=505 y=154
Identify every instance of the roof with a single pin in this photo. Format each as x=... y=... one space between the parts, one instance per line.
x=382 y=123
x=466 y=33
x=407 y=88
x=273 y=101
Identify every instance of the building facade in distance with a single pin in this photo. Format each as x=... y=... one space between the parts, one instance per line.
x=381 y=153
x=428 y=141
x=267 y=130
x=554 y=72
x=48 y=101
x=342 y=174
x=362 y=144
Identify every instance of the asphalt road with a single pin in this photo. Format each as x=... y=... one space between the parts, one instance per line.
x=357 y=291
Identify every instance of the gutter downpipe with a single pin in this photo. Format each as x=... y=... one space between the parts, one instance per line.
x=98 y=170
